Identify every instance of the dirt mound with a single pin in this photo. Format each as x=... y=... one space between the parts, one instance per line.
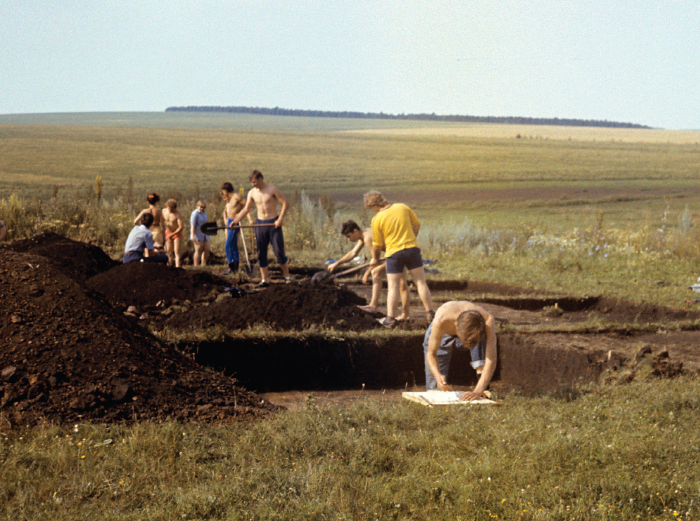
x=146 y=284
x=77 y=259
x=66 y=355
x=637 y=313
x=283 y=306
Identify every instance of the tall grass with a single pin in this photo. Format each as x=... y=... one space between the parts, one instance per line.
x=624 y=452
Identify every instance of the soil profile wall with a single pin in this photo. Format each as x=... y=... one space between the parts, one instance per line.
x=323 y=363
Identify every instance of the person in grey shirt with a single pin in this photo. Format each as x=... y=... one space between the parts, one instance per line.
x=141 y=239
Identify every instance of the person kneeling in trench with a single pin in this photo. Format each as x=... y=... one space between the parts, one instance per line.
x=140 y=240
x=458 y=324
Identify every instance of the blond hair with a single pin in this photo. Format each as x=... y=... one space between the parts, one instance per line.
x=375 y=198
x=171 y=204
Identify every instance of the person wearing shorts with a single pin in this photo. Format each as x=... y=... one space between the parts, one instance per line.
x=202 y=244
x=394 y=229
x=457 y=325
x=174 y=227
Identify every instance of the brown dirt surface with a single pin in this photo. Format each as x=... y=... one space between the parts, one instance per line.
x=293 y=306
x=67 y=356
x=146 y=284
x=77 y=259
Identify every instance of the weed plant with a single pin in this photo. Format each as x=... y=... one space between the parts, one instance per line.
x=622 y=452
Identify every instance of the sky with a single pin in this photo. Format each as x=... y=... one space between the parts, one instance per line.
x=626 y=61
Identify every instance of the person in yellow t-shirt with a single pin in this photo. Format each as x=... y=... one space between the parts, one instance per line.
x=394 y=229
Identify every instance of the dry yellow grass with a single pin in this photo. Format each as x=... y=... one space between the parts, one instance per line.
x=499 y=131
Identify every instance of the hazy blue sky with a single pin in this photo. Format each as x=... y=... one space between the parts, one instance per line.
x=632 y=61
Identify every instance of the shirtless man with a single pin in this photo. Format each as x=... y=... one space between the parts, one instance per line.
x=363 y=238
x=234 y=204
x=266 y=197
x=460 y=325
x=174 y=225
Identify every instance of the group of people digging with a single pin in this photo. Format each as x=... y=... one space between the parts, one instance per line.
x=456 y=325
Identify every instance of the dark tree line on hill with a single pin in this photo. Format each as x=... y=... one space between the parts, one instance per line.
x=277 y=111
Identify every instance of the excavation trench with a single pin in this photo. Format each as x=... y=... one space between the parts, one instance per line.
x=323 y=363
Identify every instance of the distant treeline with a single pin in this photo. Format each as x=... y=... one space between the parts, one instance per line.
x=419 y=117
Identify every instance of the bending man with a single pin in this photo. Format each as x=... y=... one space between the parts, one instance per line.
x=460 y=325
x=363 y=238
x=140 y=241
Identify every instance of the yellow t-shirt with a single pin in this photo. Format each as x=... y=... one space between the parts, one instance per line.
x=393 y=229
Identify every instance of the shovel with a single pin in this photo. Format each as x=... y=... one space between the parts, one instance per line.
x=248 y=269
x=327 y=276
x=212 y=228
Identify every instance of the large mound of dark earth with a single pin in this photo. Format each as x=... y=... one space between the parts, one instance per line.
x=283 y=306
x=67 y=355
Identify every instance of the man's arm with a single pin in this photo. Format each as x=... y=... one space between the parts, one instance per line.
x=285 y=205
x=436 y=334
x=489 y=366
x=180 y=224
x=348 y=256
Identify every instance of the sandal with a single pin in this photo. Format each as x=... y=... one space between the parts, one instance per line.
x=264 y=284
x=368 y=309
x=387 y=322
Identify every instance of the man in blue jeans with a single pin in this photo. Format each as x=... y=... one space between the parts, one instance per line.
x=460 y=325
x=141 y=239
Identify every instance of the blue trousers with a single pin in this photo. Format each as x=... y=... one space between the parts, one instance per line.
x=231 y=246
x=448 y=344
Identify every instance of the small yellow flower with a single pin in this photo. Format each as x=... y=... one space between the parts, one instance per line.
x=82 y=457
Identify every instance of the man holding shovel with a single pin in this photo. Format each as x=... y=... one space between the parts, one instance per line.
x=266 y=197
x=234 y=204
x=363 y=238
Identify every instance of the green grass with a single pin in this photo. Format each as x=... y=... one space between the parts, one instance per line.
x=568 y=455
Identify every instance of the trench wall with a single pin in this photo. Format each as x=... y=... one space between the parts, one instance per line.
x=320 y=363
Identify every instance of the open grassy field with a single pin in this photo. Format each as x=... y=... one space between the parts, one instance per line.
x=578 y=211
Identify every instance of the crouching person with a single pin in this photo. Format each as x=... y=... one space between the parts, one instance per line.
x=140 y=240
x=460 y=325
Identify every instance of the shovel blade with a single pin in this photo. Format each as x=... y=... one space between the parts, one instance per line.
x=209 y=228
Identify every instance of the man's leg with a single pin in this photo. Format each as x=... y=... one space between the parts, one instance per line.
x=392 y=299
x=169 y=251
x=177 y=243
x=262 y=241
x=376 y=285
x=277 y=241
x=405 y=298
x=197 y=255
x=206 y=253
x=418 y=276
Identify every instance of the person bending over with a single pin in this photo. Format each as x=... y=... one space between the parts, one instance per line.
x=362 y=239
x=140 y=242
x=460 y=325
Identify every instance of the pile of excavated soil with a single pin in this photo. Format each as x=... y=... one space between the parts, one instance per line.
x=283 y=306
x=145 y=284
x=77 y=259
x=66 y=356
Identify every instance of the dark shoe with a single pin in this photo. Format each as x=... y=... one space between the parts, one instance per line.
x=233 y=266
x=263 y=284
x=387 y=322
